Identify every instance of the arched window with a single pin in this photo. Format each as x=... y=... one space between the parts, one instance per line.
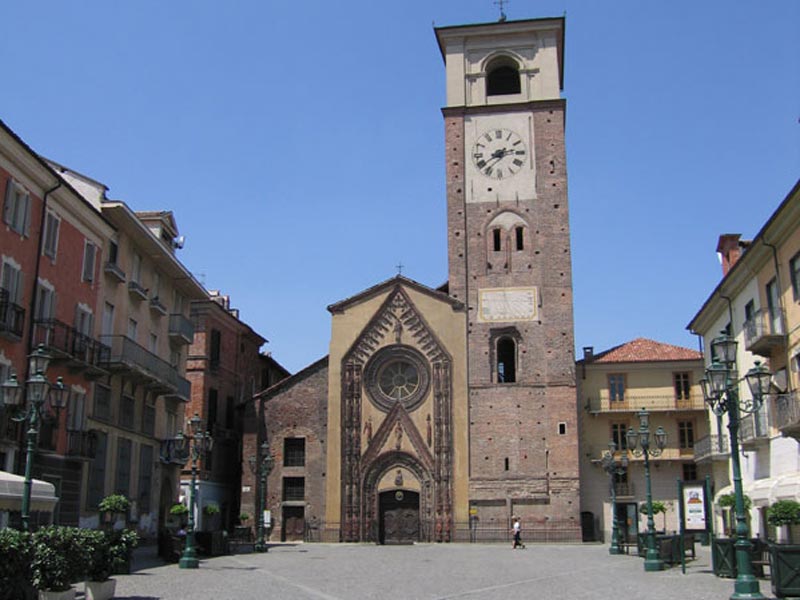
x=502 y=77
x=506 y=360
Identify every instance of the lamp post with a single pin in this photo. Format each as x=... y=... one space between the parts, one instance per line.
x=40 y=395
x=614 y=468
x=262 y=466
x=721 y=392
x=194 y=444
x=639 y=444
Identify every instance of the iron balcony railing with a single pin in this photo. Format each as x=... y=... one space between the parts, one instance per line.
x=787 y=412
x=764 y=331
x=181 y=328
x=127 y=354
x=711 y=447
x=624 y=488
x=12 y=316
x=635 y=402
x=754 y=428
x=67 y=342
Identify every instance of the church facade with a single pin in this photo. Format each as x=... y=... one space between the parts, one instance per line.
x=440 y=414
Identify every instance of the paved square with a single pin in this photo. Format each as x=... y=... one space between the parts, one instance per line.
x=425 y=571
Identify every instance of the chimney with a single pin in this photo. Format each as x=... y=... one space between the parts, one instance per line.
x=729 y=249
x=588 y=353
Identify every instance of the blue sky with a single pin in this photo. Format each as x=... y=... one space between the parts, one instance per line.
x=300 y=145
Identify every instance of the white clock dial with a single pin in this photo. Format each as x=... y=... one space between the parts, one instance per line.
x=499 y=153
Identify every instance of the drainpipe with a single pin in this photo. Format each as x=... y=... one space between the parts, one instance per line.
x=35 y=282
x=32 y=305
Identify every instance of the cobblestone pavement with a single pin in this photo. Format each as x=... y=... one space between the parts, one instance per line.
x=424 y=572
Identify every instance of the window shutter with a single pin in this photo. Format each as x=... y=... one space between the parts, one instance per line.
x=8 y=208
x=26 y=205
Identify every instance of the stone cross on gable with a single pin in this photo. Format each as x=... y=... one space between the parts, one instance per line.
x=501 y=4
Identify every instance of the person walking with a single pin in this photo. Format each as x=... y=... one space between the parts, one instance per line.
x=517 y=531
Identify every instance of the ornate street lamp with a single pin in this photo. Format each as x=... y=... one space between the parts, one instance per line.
x=41 y=396
x=261 y=465
x=194 y=444
x=614 y=468
x=721 y=392
x=639 y=444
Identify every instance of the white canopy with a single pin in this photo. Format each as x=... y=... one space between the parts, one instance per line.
x=43 y=494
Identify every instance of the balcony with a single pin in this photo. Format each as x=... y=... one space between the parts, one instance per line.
x=126 y=356
x=763 y=332
x=12 y=317
x=711 y=447
x=787 y=415
x=113 y=270
x=754 y=430
x=624 y=488
x=81 y=444
x=136 y=290
x=158 y=307
x=181 y=329
x=80 y=352
x=633 y=402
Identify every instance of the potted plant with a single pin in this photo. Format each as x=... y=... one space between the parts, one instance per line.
x=243 y=518
x=99 y=585
x=122 y=542
x=179 y=511
x=16 y=554
x=723 y=550
x=211 y=509
x=115 y=504
x=784 y=557
x=59 y=559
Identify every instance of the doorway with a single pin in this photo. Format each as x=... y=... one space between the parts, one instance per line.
x=399 y=517
x=628 y=522
x=293 y=524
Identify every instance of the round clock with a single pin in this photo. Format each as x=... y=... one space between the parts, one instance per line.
x=499 y=153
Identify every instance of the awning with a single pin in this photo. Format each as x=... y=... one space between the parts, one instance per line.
x=761 y=491
x=787 y=488
x=43 y=494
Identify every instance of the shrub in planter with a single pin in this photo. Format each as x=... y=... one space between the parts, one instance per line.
x=115 y=503
x=59 y=558
x=100 y=564
x=121 y=545
x=16 y=553
x=243 y=518
x=211 y=509
x=179 y=510
x=784 y=512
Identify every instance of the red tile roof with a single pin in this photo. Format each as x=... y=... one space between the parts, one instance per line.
x=644 y=350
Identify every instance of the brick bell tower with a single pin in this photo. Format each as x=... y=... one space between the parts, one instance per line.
x=509 y=261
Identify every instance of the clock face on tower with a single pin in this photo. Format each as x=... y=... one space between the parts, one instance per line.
x=499 y=153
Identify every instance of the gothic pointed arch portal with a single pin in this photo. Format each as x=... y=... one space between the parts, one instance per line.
x=411 y=504
x=397 y=334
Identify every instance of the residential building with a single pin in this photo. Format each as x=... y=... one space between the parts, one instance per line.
x=137 y=407
x=226 y=369
x=757 y=303
x=615 y=385
x=51 y=250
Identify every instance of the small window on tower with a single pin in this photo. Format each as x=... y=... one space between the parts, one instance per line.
x=506 y=361
x=496 y=239
x=502 y=77
x=520 y=233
